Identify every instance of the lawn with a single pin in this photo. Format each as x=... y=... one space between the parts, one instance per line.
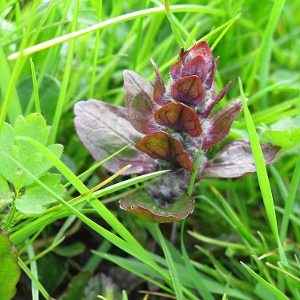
x=228 y=231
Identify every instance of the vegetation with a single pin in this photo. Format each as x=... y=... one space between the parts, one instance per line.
x=63 y=234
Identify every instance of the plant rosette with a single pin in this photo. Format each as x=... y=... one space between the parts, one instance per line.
x=166 y=124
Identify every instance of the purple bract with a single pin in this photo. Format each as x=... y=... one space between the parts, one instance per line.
x=166 y=124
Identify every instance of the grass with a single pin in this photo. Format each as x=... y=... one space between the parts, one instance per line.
x=242 y=241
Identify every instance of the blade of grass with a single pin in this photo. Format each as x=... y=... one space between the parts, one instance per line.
x=267 y=47
x=117 y=20
x=34 y=270
x=35 y=87
x=33 y=279
x=100 y=208
x=169 y=15
x=171 y=265
x=270 y=287
x=289 y=205
x=261 y=173
x=196 y=277
x=10 y=105
x=66 y=78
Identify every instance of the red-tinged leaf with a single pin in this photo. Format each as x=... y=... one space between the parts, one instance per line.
x=141 y=204
x=176 y=68
x=196 y=66
x=188 y=90
x=164 y=146
x=139 y=103
x=104 y=129
x=179 y=116
x=220 y=96
x=159 y=86
x=201 y=48
x=235 y=159
x=221 y=123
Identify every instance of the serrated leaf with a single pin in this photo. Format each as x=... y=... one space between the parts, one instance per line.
x=9 y=269
x=235 y=159
x=35 y=200
x=140 y=105
x=34 y=127
x=141 y=204
x=104 y=129
x=6 y=138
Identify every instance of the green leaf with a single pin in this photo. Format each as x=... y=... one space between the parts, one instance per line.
x=141 y=204
x=76 y=288
x=284 y=133
x=6 y=195
x=70 y=250
x=49 y=90
x=34 y=127
x=35 y=199
x=52 y=271
x=9 y=269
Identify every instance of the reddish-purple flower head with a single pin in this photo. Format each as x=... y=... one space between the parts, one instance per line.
x=175 y=117
x=167 y=124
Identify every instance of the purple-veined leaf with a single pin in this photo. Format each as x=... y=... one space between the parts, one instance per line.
x=139 y=102
x=196 y=66
x=216 y=100
x=159 y=86
x=235 y=159
x=188 y=90
x=164 y=146
x=221 y=123
x=179 y=116
x=104 y=129
x=141 y=204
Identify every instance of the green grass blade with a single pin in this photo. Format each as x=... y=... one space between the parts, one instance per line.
x=171 y=265
x=270 y=287
x=30 y=274
x=35 y=88
x=63 y=92
x=261 y=170
x=196 y=277
x=10 y=104
x=114 y=21
x=266 y=47
x=289 y=205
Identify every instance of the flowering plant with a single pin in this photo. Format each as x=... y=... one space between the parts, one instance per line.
x=166 y=125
